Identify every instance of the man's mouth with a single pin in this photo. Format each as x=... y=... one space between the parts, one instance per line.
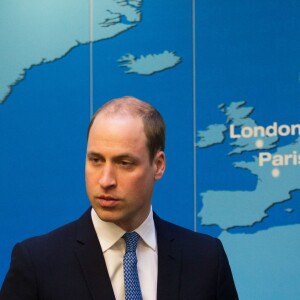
x=107 y=201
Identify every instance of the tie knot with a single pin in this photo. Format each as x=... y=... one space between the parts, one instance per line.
x=131 y=240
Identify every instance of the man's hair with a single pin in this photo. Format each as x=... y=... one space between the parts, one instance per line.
x=154 y=125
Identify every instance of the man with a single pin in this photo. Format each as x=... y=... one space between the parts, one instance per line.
x=84 y=259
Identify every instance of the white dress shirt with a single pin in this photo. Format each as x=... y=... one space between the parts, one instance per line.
x=113 y=247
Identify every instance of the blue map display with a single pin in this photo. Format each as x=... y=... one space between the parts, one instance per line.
x=225 y=76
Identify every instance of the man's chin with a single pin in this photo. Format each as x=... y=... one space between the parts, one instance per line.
x=107 y=214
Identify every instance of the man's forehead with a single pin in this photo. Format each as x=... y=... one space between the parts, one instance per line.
x=112 y=113
x=119 y=125
x=117 y=118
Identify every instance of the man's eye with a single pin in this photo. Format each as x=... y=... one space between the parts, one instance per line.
x=126 y=163
x=95 y=160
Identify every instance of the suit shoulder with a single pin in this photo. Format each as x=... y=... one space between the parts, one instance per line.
x=58 y=236
x=184 y=234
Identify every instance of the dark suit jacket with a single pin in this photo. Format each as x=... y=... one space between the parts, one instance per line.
x=67 y=263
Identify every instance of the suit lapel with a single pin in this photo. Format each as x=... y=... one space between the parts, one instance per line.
x=91 y=259
x=169 y=262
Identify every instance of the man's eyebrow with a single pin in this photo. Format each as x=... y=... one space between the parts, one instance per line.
x=117 y=157
x=125 y=156
x=94 y=154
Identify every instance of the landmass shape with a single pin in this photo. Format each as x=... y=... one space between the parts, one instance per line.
x=38 y=31
x=239 y=116
x=214 y=134
x=266 y=264
x=150 y=63
x=276 y=179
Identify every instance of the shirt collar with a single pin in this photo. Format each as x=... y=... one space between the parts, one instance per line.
x=109 y=233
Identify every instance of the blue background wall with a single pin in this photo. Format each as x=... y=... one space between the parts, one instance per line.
x=237 y=64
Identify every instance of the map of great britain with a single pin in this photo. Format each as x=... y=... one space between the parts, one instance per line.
x=69 y=27
x=274 y=185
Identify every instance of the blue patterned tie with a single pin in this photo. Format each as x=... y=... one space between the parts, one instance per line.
x=131 y=277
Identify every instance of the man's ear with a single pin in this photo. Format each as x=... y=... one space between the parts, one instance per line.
x=159 y=165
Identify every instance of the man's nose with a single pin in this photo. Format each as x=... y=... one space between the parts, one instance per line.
x=107 y=178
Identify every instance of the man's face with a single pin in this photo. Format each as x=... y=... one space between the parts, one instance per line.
x=119 y=175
